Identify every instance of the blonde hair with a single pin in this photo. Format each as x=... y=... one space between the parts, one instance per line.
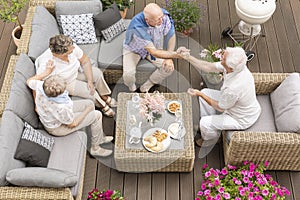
x=59 y=44
x=54 y=86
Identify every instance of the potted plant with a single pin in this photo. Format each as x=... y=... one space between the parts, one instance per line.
x=185 y=13
x=95 y=194
x=123 y=5
x=9 y=12
x=247 y=182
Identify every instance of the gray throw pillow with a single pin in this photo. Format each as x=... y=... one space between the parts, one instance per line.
x=286 y=104
x=80 y=28
x=107 y=18
x=114 y=30
x=44 y=26
x=41 y=177
x=34 y=148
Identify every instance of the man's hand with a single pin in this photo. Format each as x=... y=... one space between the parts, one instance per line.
x=183 y=52
x=91 y=87
x=194 y=92
x=50 y=66
x=168 y=65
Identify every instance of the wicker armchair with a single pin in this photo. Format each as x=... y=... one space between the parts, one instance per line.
x=281 y=149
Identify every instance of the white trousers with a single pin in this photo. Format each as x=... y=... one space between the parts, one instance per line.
x=212 y=122
x=130 y=61
x=79 y=87
x=93 y=118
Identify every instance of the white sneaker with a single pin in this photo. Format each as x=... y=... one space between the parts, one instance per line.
x=132 y=88
x=98 y=151
x=106 y=139
x=146 y=86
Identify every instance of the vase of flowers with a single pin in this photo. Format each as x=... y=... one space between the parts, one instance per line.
x=212 y=54
x=247 y=182
x=186 y=15
x=152 y=106
x=95 y=194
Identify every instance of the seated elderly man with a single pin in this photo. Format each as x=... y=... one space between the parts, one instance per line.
x=147 y=34
x=233 y=107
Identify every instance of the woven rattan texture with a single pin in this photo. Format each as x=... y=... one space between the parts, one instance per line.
x=140 y=160
x=282 y=150
x=5 y=90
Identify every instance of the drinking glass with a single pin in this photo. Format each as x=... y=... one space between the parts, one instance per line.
x=135 y=100
x=178 y=115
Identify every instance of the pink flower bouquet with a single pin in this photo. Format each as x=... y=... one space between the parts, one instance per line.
x=152 y=106
x=244 y=183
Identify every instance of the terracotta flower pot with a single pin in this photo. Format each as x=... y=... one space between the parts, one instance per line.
x=16 y=35
x=123 y=13
x=185 y=33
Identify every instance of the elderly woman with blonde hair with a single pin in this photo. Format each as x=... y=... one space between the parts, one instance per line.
x=235 y=106
x=62 y=116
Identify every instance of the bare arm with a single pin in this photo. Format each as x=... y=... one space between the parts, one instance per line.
x=160 y=53
x=213 y=103
x=87 y=68
x=49 y=69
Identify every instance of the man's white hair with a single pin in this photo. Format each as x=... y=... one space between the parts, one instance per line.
x=236 y=58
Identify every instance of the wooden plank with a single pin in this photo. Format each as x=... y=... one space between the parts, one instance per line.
x=295 y=4
x=90 y=175
x=204 y=27
x=198 y=178
x=172 y=186
x=283 y=178
x=183 y=69
x=186 y=186
x=273 y=47
x=130 y=186
x=158 y=185
x=292 y=35
x=139 y=6
x=144 y=186
x=214 y=22
x=103 y=176
x=116 y=180
x=262 y=55
x=285 y=53
x=295 y=179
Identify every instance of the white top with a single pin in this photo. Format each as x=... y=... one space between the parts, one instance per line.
x=67 y=70
x=51 y=114
x=238 y=96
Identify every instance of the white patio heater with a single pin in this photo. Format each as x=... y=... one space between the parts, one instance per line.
x=252 y=13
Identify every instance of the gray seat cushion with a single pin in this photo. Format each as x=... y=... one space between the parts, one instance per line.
x=265 y=122
x=10 y=133
x=68 y=155
x=111 y=54
x=20 y=100
x=92 y=51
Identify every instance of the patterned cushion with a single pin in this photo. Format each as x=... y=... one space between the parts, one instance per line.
x=114 y=30
x=34 y=148
x=79 y=27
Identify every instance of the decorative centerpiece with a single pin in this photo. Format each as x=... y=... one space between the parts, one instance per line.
x=240 y=183
x=186 y=14
x=152 y=106
x=95 y=194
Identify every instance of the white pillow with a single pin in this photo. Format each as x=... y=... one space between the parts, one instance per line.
x=79 y=27
x=114 y=30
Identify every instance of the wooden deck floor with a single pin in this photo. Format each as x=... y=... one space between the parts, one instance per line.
x=278 y=51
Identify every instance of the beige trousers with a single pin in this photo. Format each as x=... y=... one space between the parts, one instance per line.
x=79 y=87
x=93 y=118
x=130 y=61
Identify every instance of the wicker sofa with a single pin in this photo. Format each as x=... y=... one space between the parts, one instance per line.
x=67 y=155
x=281 y=149
x=107 y=55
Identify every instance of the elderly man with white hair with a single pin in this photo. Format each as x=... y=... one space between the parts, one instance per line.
x=235 y=106
x=150 y=35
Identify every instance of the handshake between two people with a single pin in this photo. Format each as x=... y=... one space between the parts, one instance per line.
x=183 y=52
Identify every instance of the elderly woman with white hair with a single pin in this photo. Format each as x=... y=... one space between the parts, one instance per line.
x=235 y=106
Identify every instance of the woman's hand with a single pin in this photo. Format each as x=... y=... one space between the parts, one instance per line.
x=183 y=52
x=91 y=87
x=73 y=124
x=50 y=66
x=194 y=92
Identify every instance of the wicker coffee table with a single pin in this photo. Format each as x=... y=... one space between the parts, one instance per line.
x=141 y=160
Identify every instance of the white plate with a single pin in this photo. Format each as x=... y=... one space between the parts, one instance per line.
x=166 y=142
x=176 y=135
x=171 y=102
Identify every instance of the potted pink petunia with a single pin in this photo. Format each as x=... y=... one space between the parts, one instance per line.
x=247 y=182
x=95 y=194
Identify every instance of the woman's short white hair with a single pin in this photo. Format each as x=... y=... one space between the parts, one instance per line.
x=236 y=58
